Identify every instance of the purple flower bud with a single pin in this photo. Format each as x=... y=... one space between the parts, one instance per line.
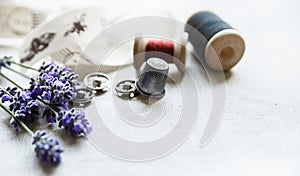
x=50 y=115
x=5 y=62
x=24 y=107
x=14 y=124
x=75 y=123
x=47 y=150
x=6 y=98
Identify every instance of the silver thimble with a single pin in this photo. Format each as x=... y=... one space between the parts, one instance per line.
x=153 y=79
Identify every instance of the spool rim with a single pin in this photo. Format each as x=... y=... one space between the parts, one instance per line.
x=138 y=55
x=229 y=40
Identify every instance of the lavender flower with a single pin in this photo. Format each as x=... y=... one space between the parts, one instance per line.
x=12 y=90
x=14 y=124
x=47 y=150
x=5 y=98
x=54 y=84
x=50 y=115
x=4 y=62
x=22 y=106
x=75 y=123
x=28 y=100
x=63 y=73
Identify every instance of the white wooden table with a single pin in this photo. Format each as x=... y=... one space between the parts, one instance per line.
x=259 y=133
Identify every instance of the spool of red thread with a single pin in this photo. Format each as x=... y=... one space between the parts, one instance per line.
x=158 y=48
x=169 y=51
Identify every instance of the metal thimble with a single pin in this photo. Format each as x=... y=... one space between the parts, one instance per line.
x=153 y=79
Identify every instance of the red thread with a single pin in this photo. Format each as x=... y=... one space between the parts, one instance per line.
x=163 y=49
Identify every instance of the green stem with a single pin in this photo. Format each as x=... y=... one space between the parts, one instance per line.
x=8 y=79
x=21 y=65
x=17 y=120
x=17 y=72
x=24 y=126
x=6 y=109
x=54 y=109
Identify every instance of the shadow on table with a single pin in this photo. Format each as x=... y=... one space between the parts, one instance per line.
x=204 y=69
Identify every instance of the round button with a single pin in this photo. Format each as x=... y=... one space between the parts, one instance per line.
x=20 y=21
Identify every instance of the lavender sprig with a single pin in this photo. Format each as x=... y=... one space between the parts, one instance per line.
x=55 y=84
x=75 y=123
x=54 y=87
x=25 y=107
x=47 y=150
x=21 y=104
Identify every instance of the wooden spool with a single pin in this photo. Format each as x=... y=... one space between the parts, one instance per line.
x=140 y=55
x=221 y=46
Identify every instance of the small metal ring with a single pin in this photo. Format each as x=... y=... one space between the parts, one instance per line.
x=84 y=97
x=126 y=88
x=97 y=81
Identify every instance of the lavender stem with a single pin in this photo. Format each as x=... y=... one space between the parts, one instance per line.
x=17 y=72
x=21 y=65
x=8 y=79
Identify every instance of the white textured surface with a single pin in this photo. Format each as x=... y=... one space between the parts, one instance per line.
x=259 y=134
